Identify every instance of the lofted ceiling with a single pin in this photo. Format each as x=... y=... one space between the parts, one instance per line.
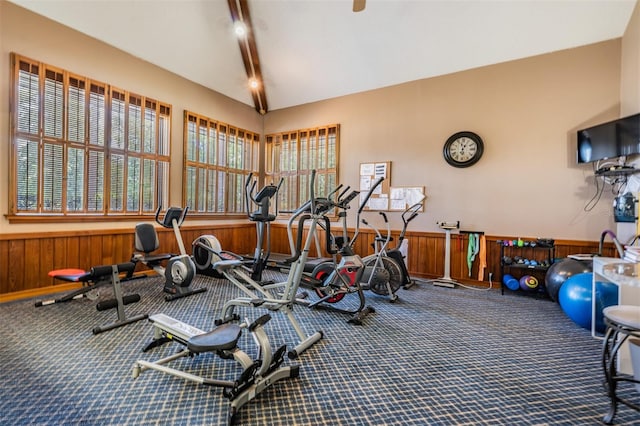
x=310 y=50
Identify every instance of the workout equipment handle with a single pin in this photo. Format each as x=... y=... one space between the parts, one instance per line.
x=413 y=210
x=277 y=194
x=259 y=322
x=312 y=191
x=179 y=221
x=296 y=250
x=158 y=214
x=341 y=194
x=336 y=189
x=247 y=191
x=329 y=241
x=384 y=216
x=615 y=242
x=361 y=208
x=366 y=199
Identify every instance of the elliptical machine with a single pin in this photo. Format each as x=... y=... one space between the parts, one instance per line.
x=180 y=268
x=263 y=218
x=275 y=297
x=205 y=247
x=332 y=281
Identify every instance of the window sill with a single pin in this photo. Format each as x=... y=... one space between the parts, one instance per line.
x=84 y=218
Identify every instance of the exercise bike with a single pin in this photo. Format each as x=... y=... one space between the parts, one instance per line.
x=382 y=274
x=386 y=270
x=257 y=375
x=332 y=281
x=180 y=269
x=396 y=253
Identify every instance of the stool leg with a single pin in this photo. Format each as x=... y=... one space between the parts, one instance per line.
x=608 y=363
x=611 y=346
x=606 y=368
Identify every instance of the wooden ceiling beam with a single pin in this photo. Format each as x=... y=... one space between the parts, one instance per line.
x=240 y=13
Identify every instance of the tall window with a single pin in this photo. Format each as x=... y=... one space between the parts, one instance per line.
x=292 y=155
x=218 y=159
x=81 y=147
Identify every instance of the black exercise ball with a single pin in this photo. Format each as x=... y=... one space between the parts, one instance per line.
x=560 y=271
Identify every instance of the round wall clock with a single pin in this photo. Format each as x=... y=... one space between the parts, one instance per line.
x=463 y=149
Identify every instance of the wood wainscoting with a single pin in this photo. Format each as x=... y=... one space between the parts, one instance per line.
x=26 y=259
x=426 y=252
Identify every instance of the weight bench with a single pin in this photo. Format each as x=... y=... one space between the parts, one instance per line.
x=257 y=375
x=91 y=280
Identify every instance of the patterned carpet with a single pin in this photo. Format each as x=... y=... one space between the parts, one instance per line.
x=438 y=356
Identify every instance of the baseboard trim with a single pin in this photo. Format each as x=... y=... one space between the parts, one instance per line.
x=58 y=288
x=35 y=292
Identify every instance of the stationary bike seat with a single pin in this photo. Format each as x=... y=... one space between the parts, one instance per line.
x=222 y=338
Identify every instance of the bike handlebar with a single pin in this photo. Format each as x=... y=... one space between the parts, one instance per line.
x=413 y=210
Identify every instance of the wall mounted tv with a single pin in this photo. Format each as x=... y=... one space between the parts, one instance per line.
x=609 y=140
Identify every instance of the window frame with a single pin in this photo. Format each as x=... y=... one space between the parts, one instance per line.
x=201 y=136
x=292 y=155
x=54 y=127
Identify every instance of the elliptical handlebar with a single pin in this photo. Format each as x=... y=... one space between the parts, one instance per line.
x=319 y=207
x=262 y=199
x=370 y=193
x=248 y=190
x=342 y=193
x=363 y=204
x=312 y=190
x=276 y=194
x=308 y=206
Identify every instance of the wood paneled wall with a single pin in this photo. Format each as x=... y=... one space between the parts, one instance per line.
x=25 y=259
x=426 y=252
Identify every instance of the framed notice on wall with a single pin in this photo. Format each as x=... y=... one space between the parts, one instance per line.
x=369 y=174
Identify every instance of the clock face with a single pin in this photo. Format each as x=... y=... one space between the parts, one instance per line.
x=463 y=149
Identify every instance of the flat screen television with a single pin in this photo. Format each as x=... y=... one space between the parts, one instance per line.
x=609 y=140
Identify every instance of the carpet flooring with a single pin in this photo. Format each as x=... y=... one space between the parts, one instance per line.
x=437 y=356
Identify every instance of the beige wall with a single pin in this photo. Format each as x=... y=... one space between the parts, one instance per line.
x=527 y=112
x=630 y=75
x=41 y=39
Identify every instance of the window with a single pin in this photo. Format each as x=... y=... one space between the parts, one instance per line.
x=218 y=159
x=81 y=147
x=292 y=155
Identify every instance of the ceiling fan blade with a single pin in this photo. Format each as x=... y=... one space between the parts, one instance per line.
x=358 y=5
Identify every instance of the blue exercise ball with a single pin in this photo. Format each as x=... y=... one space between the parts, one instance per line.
x=575 y=297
